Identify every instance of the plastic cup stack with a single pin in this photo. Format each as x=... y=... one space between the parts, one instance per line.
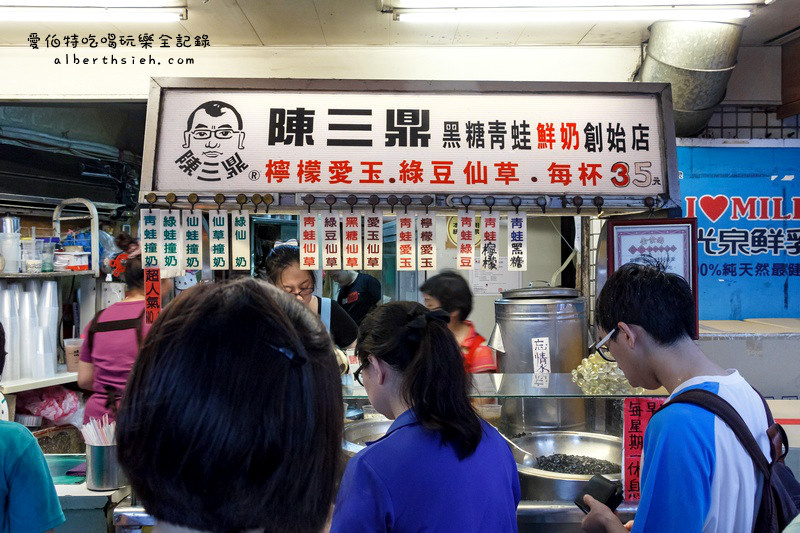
x=48 y=320
x=9 y=317
x=29 y=333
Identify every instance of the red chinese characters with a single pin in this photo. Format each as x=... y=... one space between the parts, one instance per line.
x=489 y=229
x=309 y=246
x=466 y=240
x=637 y=413
x=373 y=241
x=405 y=243
x=426 y=242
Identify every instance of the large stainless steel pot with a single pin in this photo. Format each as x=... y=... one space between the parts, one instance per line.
x=537 y=484
x=358 y=434
x=559 y=316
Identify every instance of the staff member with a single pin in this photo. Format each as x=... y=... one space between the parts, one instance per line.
x=449 y=291
x=283 y=270
x=439 y=467
x=359 y=293
x=111 y=341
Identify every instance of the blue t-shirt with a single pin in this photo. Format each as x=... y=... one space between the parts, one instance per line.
x=696 y=476
x=410 y=481
x=28 y=499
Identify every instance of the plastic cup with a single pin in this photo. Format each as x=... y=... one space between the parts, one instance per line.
x=48 y=254
x=72 y=351
x=370 y=412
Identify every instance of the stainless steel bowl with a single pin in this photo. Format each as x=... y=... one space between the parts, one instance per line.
x=537 y=484
x=357 y=434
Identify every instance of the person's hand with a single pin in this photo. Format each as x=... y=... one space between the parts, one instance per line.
x=629 y=525
x=600 y=519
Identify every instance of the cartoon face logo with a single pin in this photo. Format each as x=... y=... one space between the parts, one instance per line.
x=213 y=137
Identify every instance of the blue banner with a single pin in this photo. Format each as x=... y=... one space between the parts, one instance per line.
x=747 y=204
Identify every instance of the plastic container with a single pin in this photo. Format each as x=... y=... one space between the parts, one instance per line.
x=29 y=421
x=10 y=248
x=48 y=251
x=72 y=352
x=490 y=412
x=103 y=471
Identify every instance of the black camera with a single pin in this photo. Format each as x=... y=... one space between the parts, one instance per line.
x=603 y=490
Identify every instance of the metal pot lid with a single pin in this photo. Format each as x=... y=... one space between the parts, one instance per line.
x=542 y=293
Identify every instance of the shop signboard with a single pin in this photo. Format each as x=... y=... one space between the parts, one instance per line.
x=336 y=136
x=747 y=203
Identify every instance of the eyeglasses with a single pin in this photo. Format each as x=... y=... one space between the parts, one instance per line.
x=602 y=349
x=302 y=292
x=357 y=373
x=222 y=133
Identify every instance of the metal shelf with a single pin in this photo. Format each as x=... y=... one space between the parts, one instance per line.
x=47 y=275
x=19 y=385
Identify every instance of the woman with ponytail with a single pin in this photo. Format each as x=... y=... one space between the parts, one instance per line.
x=439 y=467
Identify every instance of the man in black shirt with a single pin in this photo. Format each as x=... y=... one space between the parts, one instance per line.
x=359 y=293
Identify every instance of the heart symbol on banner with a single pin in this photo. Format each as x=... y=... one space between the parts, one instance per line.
x=714 y=206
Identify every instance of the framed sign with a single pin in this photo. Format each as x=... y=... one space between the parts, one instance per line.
x=671 y=242
x=373 y=136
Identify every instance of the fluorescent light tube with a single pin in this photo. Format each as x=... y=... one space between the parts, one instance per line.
x=91 y=14
x=560 y=4
x=511 y=15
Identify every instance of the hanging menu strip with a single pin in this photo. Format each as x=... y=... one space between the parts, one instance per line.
x=150 y=226
x=426 y=242
x=517 y=242
x=331 y=242
x=373 y=241
x=466 y=240
x=171 y=243
x=490 y=227
x=353 y=251
x=240 y=240
x=192 y=240
x=218 y=240
x=405 y=242
x=152 y=294
x=309 y=242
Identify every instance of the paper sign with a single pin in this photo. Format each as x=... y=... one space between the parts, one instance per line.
x=192 y=240
x=517 y=242
x=466 y=236
x=351 y=242
x=150 y=226
x=240 y=240
x=426 y=242
x=331 y=242
x=637 y=414
x=490 y=227
x=405 y=243
x=309 y=241
x=218 y=240
x=540 y=347
x=171 y=246
x=152 y=294
x=540 y=381
x=373 y=241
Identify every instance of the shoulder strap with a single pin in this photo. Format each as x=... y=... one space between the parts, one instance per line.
x=725 y=411
x=325 y=312
x=115 y=325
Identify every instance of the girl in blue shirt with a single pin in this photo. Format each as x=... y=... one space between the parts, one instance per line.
x=439 y=467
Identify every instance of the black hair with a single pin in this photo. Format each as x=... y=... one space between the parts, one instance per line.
x=3 y=352
x=134 y=275
x=214 y=108
x=232 y=417
x=659 y=302
x=452 y=291
x=435 y=383
x=279 y=259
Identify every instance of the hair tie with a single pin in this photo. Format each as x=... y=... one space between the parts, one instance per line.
x=438 y=315
x=290 y=242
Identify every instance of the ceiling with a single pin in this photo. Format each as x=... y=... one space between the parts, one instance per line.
x=360 y=23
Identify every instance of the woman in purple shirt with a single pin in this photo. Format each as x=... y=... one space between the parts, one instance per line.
x=111 y=341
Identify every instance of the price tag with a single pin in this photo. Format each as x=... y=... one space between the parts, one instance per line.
x=426 y=242
x=240 y=240
x=373 y=241
x=192 y=240
x=218 y=240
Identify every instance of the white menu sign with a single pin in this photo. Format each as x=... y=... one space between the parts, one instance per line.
x=331 y=242
x=490 y=227
x=405 y=242
x=240 y=240
x=373 y=241
x=351 y=241
x=218 y=240
x=150 y=227
x=309 y=241
x=171 y=244
x=426 y=242
x=192 y=240
x=466 y=240
x=517 y=241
